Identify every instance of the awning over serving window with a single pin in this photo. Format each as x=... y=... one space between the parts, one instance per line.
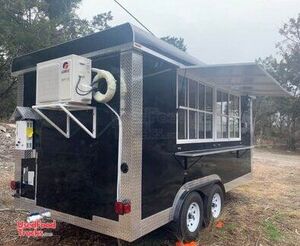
x=249 y=78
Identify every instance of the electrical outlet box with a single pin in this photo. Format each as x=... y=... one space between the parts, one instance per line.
x=24 y=135
x=64 y=80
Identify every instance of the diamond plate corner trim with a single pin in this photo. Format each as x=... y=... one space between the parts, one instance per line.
x=131 y=105
x=18 y=153
x=156 y=220
x=20 y=90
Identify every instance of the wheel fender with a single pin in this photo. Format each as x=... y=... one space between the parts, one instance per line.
x=201 y=185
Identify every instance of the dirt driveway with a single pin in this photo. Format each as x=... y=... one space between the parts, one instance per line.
x=264 y=212
x=267 y=210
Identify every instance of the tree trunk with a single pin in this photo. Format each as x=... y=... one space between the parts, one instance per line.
x=291 y=142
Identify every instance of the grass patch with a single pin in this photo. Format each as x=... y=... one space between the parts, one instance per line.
x=230 y=227
x=279 y=216
x=271 y=231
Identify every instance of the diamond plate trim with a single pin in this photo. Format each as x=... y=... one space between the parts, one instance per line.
x=132 y=115
x=20 y=90
x=18 y=153
x=18 y=157
x=156 y=220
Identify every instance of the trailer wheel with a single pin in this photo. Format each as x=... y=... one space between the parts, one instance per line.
x=191 y=217
x=213 y=204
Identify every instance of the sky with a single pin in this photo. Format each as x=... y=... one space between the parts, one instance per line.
x=215 y=31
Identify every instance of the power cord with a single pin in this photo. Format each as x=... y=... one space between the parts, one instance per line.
x=82 y=92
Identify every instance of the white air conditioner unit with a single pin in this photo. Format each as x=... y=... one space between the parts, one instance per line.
x=64 y=80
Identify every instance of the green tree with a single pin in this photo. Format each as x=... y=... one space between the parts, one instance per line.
x=284 y=113
x=29 y=25
x=177 y=42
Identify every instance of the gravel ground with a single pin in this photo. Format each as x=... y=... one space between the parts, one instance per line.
x=263 y=212
x=7 y=138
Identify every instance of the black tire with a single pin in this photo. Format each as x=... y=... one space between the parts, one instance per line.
x=183 y=232
x=208 y=203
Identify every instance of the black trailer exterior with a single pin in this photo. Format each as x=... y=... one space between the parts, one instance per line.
x=176 y=138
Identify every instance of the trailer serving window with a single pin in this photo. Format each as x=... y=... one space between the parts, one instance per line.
x=243 y=79
x=200 y=118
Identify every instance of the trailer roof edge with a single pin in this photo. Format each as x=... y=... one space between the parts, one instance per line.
x=110 y=38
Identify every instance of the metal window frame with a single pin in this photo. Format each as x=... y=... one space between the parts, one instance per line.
x=188 y=109
x=214 y=114
x=236 y=117
x=228 y=116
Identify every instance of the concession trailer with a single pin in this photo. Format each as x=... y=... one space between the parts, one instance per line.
x=121 y=133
